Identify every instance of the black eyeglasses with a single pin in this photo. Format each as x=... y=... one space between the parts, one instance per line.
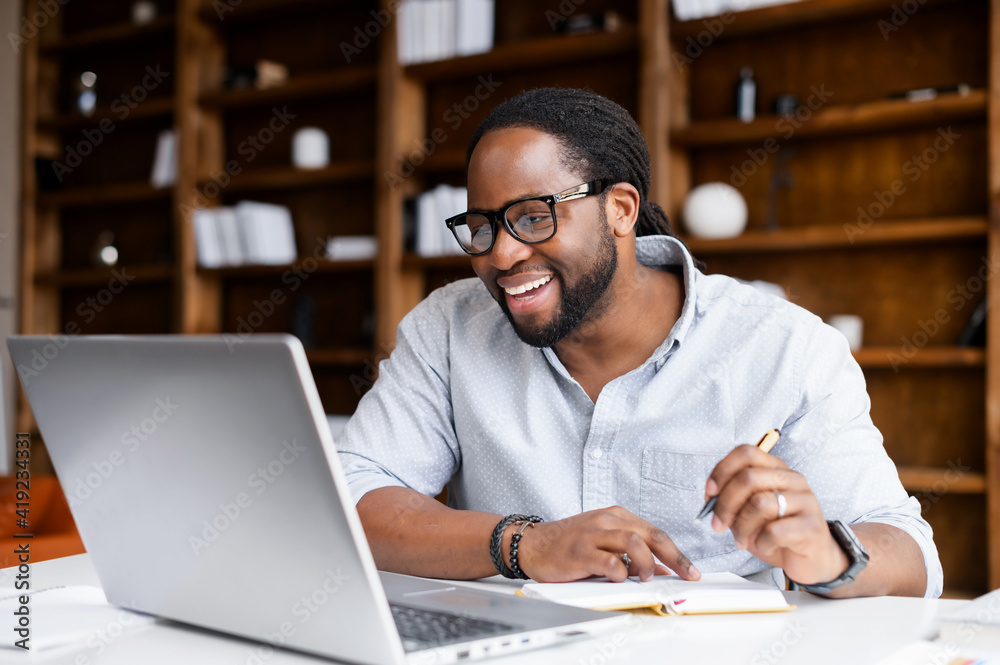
x=530 y=220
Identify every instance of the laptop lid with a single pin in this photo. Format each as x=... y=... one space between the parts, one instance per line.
x=206 y=486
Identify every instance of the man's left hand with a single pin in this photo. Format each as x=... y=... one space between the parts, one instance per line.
x=747 y=482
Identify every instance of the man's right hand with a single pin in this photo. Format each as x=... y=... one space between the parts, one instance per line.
x=591 y=544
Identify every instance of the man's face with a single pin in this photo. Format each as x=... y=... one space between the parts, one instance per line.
x=568 y=275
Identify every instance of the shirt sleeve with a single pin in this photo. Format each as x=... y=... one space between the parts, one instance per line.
x=832 y=441
x=402 y=433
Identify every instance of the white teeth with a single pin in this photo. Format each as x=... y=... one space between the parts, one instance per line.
x=516 y=290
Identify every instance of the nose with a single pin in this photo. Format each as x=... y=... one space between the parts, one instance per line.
x=507 y=250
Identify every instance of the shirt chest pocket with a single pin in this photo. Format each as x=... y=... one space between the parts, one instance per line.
x=672 y=491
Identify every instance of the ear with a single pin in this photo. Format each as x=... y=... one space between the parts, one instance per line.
x=622 y=207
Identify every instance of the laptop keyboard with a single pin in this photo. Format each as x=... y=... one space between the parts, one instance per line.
x=421 y=628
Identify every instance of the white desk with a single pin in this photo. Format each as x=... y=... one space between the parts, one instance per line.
x=820 y=631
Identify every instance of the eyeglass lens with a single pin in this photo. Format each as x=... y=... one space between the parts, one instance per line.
x=531 y=221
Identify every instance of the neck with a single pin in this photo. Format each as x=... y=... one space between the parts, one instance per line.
x=622 y=330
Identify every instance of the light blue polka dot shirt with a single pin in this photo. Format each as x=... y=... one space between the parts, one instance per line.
x=463 y=402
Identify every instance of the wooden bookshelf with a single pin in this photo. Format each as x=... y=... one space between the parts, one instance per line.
x=864 y=118
x=106 y=189
x=829 y=236
x=896 y=269
x=927 y=479
x=789 y=15
x=342 y=82
x=926 y=357
x=111 y=36
x=150 y=109
x=417 y=262
x=535 y=53
x=100 y=276
x=261 y=10
x=322 y=90
x=322 y=266
x=290 y=178
x=102 y=195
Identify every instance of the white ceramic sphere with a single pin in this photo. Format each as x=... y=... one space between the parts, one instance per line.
x=715 y=210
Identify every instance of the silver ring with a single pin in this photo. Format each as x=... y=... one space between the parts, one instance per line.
x=782 y=504
x=626 y=560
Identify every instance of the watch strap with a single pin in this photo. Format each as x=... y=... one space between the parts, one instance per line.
x=857 y=559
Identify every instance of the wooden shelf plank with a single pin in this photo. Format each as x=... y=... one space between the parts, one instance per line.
x=529 y=55
x=289 y=177
x=929 y=356
x=934 y=479
x=147 y=110
x=333 y=357
x=99 y=276
x=275 y=270
x=911 y=231
x=259 y=10
x=104 y=194
x=344 y=80
x=837 y=120
x=111 y=35
x=451 y=261
x=792 y=14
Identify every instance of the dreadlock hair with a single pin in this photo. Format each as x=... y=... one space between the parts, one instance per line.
x=599 y=140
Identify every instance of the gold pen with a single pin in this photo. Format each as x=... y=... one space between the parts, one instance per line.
x=766 y=443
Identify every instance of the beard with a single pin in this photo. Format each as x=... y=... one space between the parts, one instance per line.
x=578 y=300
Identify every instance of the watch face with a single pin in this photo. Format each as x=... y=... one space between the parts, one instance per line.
x=848 y=542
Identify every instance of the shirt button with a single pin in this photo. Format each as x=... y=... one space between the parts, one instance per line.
x=597 y=453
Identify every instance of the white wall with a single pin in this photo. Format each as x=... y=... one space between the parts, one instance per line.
x=10 y=201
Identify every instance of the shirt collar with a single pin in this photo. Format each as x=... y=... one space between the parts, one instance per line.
x=660 y=252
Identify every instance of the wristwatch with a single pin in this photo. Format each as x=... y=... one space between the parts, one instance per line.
x=856 y=555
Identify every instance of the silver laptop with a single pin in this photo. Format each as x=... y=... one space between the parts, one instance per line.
x=206 y=486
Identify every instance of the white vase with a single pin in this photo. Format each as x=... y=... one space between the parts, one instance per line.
x=310 y=148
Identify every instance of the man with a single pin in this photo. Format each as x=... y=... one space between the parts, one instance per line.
x=609 y=394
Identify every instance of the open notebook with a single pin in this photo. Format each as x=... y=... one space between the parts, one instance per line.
x=715 y=593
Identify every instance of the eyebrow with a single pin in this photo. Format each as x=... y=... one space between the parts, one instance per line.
x=510 y=202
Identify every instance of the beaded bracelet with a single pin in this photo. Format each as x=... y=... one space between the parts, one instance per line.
x=514 y=540
x=497 y=539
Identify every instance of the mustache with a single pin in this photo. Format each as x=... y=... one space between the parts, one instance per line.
x=520 y=270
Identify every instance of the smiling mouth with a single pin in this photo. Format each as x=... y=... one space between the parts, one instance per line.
x=524 y=291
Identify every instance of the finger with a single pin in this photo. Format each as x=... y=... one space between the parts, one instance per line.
x=645 y=573
x=627 y=541
x=783 y=542
x=763 y=509
x=652 y=539
x=759 y=509
x=797 y=546
x=660 y=568
x=738 y=459
x=603 y=563
x=749 y=481
x=643 y=563
x=667 y=552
